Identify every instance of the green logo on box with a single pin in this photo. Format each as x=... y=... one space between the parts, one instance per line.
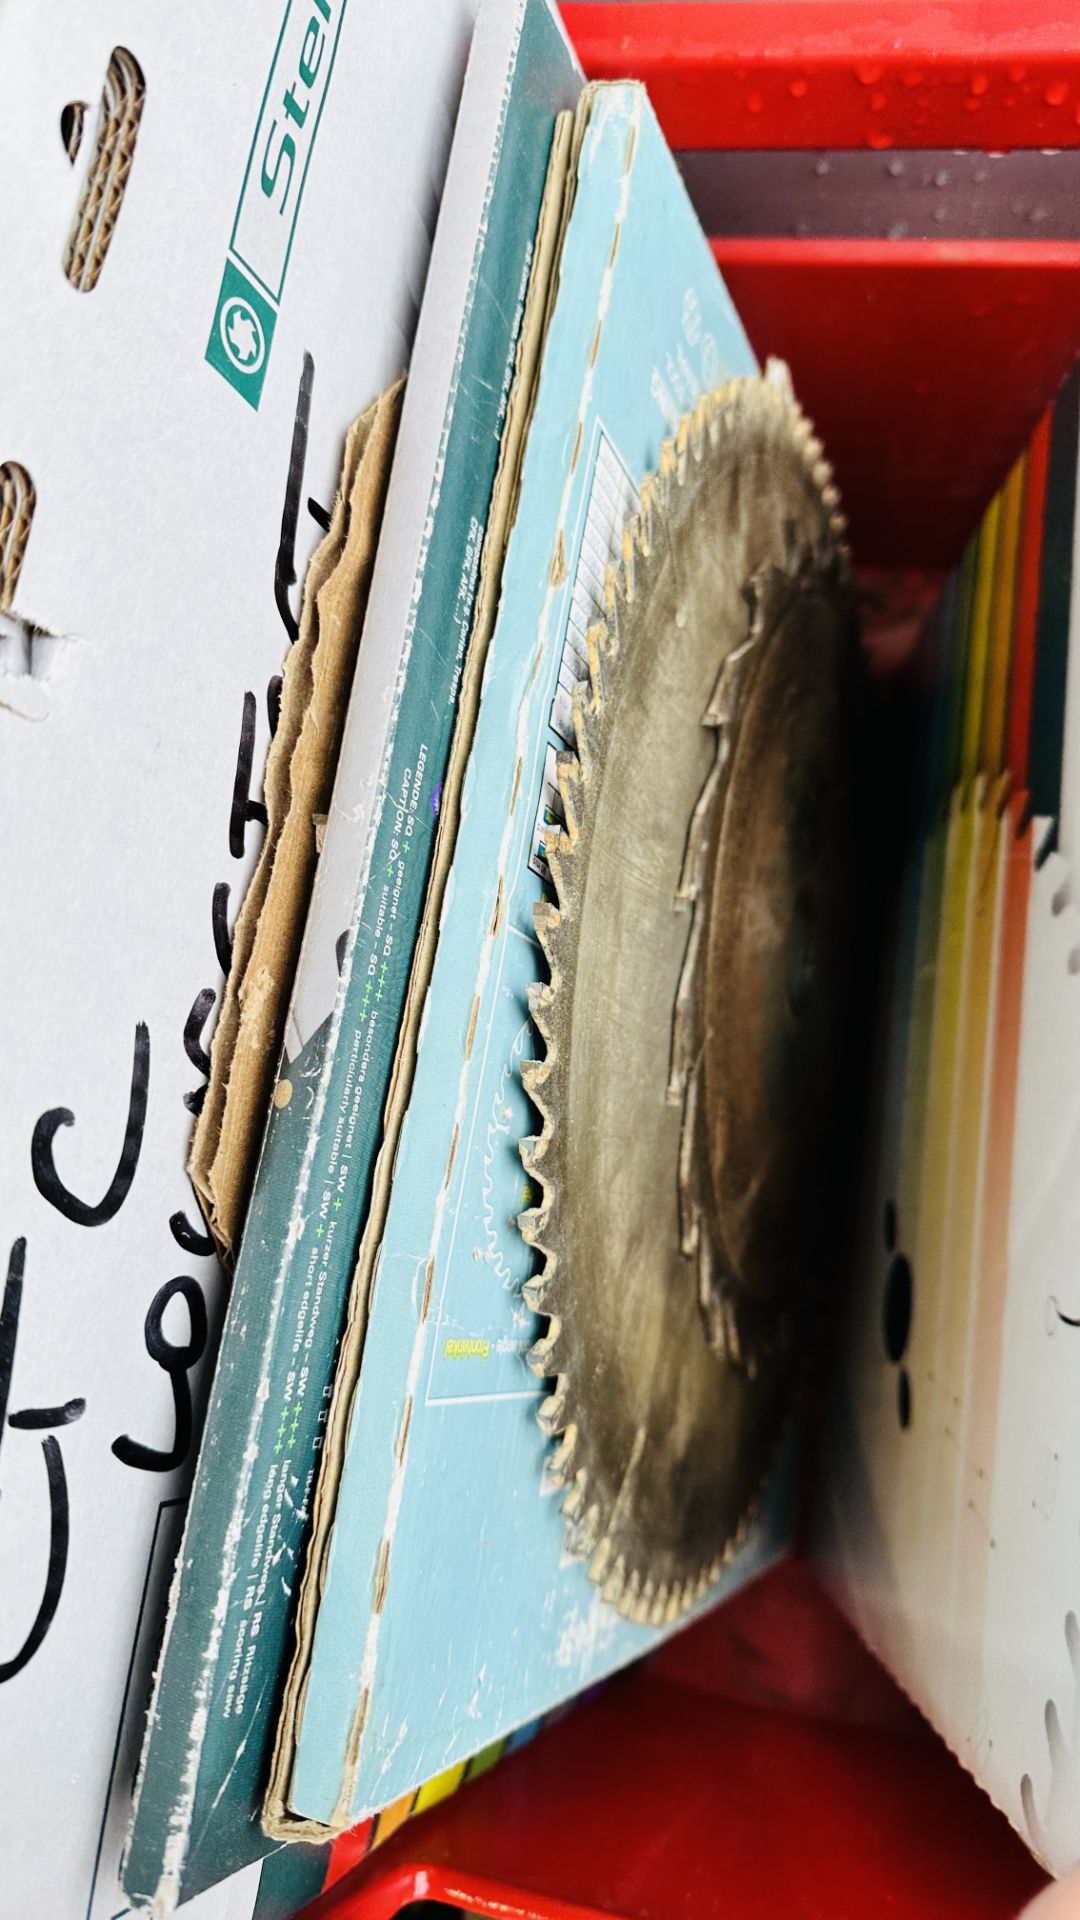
x=241 y=334
x=261 y=241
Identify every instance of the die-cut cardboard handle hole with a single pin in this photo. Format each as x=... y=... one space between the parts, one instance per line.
x=17 y=499
x=107 y=170
x=72 y=125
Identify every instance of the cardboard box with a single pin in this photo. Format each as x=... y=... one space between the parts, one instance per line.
x=224 y=1660
x=251 y=217
x=948 y=1493
x=449 y=1611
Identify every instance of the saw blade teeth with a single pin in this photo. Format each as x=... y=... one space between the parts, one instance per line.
x=533 y=1075
x=628 y=1598
x=579 y=701
x=640 y=531
x=554 y=857
x=551 y=1412
x=599 y=1563
x=615 y=1581
x=532 y=1150
x=535 y=1288
x=666 y=464
x=581 y=1528
x=532 y=1224
x=547 y=920
x=575 y=1498
x=778 y=378
x=541 y=997
x=738 y=413
x=591 y=703
x=540 y=1142
x=568 y=775
x=697 y=432
x=561 y=1460
x=541 y=1356
x=620 y=583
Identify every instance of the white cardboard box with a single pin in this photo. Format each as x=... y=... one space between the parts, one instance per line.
x=133 y=737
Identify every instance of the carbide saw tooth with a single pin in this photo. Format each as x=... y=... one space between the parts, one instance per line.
x=575 y=1498
x=551 y=1412
x=541 y=997
x=531 y=1229
x=555 y=855
x=546 y=918
x=542 y=1353
x=598 y=1563
x=533 y=1075
x=581 y=1529
x=560 y=1461
x=628 y=1598
x=540 y=1142
x=615 y=1580
x=535 y=1288
x=578 y=705
x=568 y=774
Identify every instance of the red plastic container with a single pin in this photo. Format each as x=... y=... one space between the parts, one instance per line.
x=762 y=1764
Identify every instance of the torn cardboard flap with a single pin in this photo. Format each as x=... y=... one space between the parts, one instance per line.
x=299 y=778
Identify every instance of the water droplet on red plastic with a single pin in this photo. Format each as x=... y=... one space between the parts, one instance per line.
x=869 y=75
x=797 y=88
x=973 y=103
x=754 y=103
x=880 y=142
x=877 y=102
x=1017 y=72
x=1057 y=93
x=979 y=83
x=912 y=77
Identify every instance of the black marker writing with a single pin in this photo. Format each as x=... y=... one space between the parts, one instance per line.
x=176 y=1362
x=48 y=1181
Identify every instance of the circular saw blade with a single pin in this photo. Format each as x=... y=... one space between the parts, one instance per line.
x=692 y=948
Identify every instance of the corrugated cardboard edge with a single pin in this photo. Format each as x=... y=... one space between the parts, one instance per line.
x=299 y=777
x=279 y=1822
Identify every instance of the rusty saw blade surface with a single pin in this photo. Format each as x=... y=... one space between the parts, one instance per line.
x=695 y=947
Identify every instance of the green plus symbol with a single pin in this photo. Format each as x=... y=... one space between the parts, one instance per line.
x=337 y=1204
x=319 y=1229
